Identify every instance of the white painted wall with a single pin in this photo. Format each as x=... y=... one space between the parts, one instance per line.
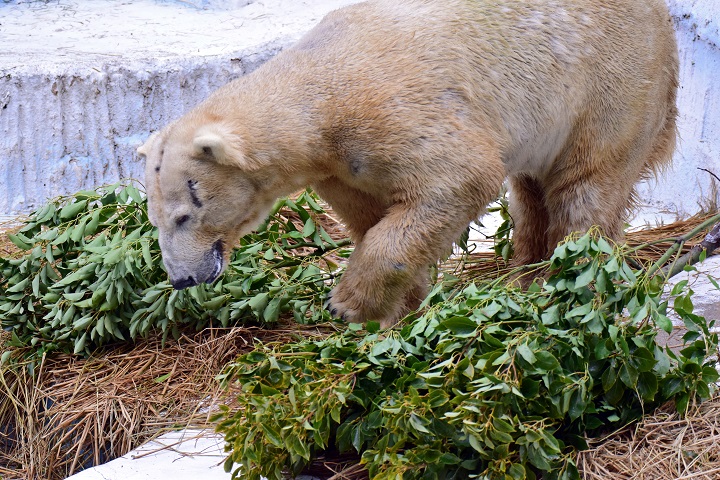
x=82 y=82
x=684 y=188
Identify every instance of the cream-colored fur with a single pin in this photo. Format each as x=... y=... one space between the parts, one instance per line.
x=406 y=116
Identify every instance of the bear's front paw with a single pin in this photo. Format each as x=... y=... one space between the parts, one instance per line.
x=342 y=307
x=348 y=305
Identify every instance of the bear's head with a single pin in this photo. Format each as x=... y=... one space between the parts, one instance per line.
x=203 y=195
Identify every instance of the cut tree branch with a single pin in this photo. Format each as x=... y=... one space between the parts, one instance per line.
x=708 y=245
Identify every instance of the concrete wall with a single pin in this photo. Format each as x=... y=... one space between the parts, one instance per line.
x=82 y=84
x=62 y=133
x=684 y=188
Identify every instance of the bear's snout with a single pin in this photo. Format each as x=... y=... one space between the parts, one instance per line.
x=187 y=271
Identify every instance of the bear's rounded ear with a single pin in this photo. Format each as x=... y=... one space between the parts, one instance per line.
x=218 y=143
x=210 y=145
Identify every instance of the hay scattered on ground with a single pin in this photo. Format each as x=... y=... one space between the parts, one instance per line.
x=663 y=446
x=7 y=248
x=75 y=412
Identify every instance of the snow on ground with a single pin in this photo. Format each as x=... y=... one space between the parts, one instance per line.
x=56 y=36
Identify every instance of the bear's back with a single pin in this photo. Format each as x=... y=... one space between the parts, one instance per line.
x=526 y=69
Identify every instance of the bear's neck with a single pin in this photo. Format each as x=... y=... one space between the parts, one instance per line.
x=278 y=119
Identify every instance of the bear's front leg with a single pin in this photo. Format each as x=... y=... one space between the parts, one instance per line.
x=388 y=270
x=378 y=290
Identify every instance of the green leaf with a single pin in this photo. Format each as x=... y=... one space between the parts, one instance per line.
x=309 y=228
x=538 y=457
x=604 y=246
x=272 y=311
x=710 y=375
x=679 y=287
x=663 y=322
x=114 y=256
x=587 y=276
x=372 y=327
x=647 y=386
x=551 y=315
x=526 y=353
x=681 y=402
x=162 y=378
x=643 y=359
x=683 y=304
x=609 y=377
x=147 y=256
x=546 y=361
x=629 y=375
x=502 y=425
x=72 y=210
x=273 y=435
x=419 y=424
x=213 y=304
x=258 y=303
x=577 y=405
x=448 y=459
x=5 y=357
x=134 y=194
x=20 y=241
x=80 y=344
x=460 y=325
x=581 y=310
x=19 y=287
x=78 y=231
x=78 y=275
x=672 y=386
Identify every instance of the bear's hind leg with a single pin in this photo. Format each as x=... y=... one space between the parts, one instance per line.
x=577 y=201
x=530 y=218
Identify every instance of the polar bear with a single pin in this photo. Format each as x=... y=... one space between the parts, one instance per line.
x=406 y=116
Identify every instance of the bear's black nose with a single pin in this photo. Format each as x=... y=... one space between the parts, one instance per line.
x=184 y=283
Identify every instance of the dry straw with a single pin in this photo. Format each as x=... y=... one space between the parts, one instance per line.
x=663 y=446
x=74 y=412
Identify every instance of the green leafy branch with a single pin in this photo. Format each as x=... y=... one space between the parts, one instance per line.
x=91 y=274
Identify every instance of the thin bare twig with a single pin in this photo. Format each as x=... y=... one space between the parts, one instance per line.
x=711 y=173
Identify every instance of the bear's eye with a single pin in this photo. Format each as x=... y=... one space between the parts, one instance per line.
x=192 y=185
x=180 y=221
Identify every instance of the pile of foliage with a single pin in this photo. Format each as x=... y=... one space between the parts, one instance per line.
x=490 y=382
x=91 y=274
